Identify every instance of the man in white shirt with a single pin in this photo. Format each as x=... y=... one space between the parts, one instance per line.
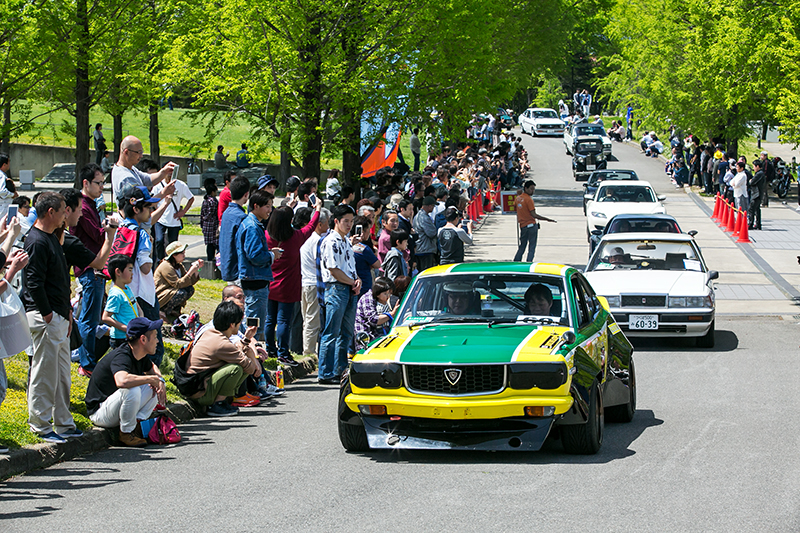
x=308 y=273
x=7 y=194
x=739 y=184
x=416 y=148
x=126 y=174
x=342 y=286
x=169 y=225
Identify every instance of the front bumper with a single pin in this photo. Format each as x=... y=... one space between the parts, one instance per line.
x=509 y=434
x=671 y=322
x=548 y=131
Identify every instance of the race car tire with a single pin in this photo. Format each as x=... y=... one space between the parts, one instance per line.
x=624 y=413
x=707 y=340
x=586 y=439
x=352 y=436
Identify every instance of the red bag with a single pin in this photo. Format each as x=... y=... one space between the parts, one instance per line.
x=126 y=241
x=164 y=431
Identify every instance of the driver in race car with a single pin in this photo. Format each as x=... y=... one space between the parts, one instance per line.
x=538 y=300
x=459 y=296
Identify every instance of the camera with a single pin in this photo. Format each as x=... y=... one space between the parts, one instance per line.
x=253 y=321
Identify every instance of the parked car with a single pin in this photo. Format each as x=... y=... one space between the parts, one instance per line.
x=631 y=223
x=471 y=363
x=590 y=187
x=573 y=131
x=504 y=118
x=656 y=284
x=588 y=156
x=614 y=198
x=541 y=121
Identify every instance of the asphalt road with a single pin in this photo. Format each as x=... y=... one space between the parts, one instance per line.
x=713 y=447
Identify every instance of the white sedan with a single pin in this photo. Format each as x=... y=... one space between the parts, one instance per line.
x=541 y=121
x=615 y=198
x=656 y=284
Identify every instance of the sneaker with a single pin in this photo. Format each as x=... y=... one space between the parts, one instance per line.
x=270 y=391
x=73 y=433
x=75 y=355
x=53 y=437
x=288 y=361
x=131 y=440
x=83 y=372
x=222 y=409
x=246 y=401
x=329 y=381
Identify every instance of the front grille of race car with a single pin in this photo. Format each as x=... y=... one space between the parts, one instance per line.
x=644 y=300
x=473 y=380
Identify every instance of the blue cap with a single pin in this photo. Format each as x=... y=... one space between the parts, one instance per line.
x=140 y=326
x=265 y=180
x=139 y=193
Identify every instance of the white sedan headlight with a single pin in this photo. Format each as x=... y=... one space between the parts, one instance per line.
x=597 y=214
x=691 y=301
x=613 y=301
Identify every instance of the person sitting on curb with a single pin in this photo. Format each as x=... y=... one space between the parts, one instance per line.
x=232 y=362
x=126 y=386
x=174 y=284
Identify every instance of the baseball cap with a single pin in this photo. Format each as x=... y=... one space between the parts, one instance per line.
x=764 y=152
x=292 y=184
x=140 y=326
x=265 y=180
x=139 y=193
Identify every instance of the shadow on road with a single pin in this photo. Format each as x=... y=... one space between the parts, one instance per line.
x=616 y=445
x=725 y=341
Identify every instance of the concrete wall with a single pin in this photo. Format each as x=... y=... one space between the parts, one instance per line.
x=41 y=158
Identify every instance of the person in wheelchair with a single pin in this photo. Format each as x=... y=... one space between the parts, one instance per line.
x=539 y=300
x=460 y=299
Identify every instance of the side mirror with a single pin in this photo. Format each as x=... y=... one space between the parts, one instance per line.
x=713 y=274
x=568 y=337
x=692 y=232
x=597 y=232
x=661 y=197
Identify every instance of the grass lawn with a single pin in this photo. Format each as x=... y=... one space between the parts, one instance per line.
x=14 y=431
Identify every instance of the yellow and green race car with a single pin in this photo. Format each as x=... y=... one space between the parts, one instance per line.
x=491 y=356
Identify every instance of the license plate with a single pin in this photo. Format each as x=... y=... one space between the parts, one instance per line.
x=643 y=321
x=590 y=167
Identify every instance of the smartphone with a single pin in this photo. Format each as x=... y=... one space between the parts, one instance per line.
x=359 y=230
x=175 y=172
x=312 y=199
x=253 y=321
x=12 y=212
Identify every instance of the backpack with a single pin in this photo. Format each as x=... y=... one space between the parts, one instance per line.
x=126 y=241
x=189 y=384
x=164 y=431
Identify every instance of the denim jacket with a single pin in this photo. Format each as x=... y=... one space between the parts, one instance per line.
x=255 y=258
x=229 y=226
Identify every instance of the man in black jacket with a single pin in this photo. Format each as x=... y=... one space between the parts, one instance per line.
x=45 y=294
x=754 y=190
x=769 y=175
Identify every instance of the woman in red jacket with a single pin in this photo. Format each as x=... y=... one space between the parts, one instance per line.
x=285 y=289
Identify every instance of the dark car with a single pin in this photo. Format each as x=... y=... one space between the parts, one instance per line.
x=636 y=224
x=606 y=174
x=588 y=156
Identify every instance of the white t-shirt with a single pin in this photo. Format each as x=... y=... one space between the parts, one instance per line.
x=739 y=184
x=121 y=177
x=336 y=252
x=308 y=261
x=181 y=193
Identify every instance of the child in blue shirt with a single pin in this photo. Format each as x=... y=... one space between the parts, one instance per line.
x=121 y=305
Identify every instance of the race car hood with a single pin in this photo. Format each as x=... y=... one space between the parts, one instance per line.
x=671 y=282
x=634 y=208
x=553 y=121
x=466 y=344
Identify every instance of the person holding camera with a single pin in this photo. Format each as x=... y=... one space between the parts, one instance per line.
x=174 y=284
x=85 y=255
x=453 y=236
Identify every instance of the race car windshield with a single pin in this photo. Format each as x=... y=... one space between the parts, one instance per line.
x=484 y=298
x=623 y=193
x=545 y=114
x=597 y=177
x=591 y=130
x=646 y=255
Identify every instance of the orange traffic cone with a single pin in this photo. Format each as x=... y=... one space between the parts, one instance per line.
x=715 y=215
x=737 y=225
x=724 y=213
x=731 y=220
x=744 y=226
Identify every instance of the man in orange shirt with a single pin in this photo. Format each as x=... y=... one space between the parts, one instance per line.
x=527 y=218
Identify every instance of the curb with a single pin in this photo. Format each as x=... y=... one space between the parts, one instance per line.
x=42 y=455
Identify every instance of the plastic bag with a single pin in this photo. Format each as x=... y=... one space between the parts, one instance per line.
x=15 y=334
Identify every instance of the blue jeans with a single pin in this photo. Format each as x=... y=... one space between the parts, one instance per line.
x=152 y=313
x=255 y=304
x=527 y=238
x=279 y=313
x=93 y=288
x=337 y=334
x=164 y=236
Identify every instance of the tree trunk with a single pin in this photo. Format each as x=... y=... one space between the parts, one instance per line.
x=286 y=147
x=763 y=136
x=311 y=63
x=155 y=148
x=5 y=144
x=82 y=104
x=117 y=132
